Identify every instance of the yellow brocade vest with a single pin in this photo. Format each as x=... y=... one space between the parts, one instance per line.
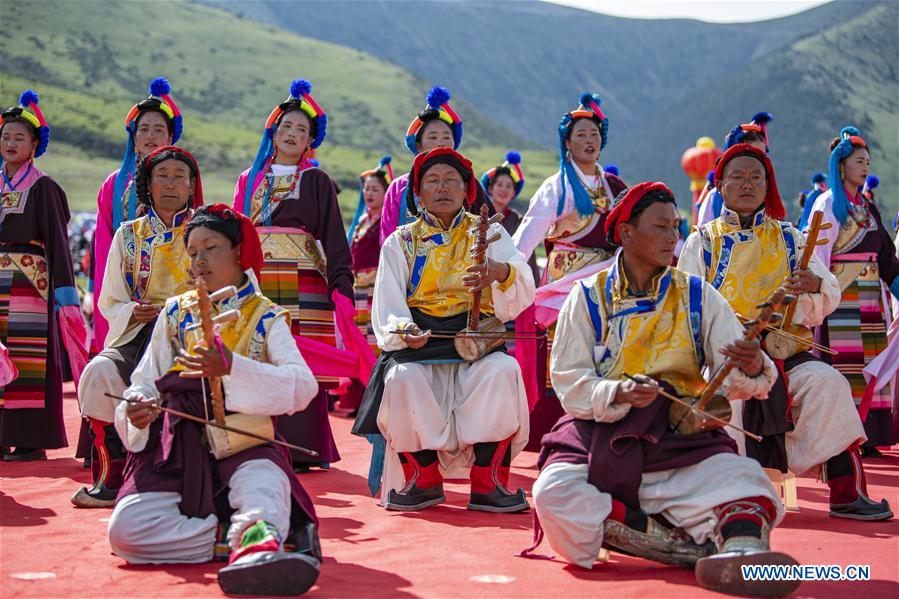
x=659 y=335
x=437 y=260
x=747 y=265
x=155 y=260
x=245 y=336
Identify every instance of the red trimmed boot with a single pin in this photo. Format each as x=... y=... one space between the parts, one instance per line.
x=490 y=479
x=742 y=538
x=845 y=476
x=107 y=465
x=424 y=483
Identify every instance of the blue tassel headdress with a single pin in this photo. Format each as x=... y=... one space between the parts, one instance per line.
x=589 y=108
x=819 y=186
x=438 y=108
x=29 y=99
x=850 y=138
x=160 y=100
x=383 y=169
x=300 y=98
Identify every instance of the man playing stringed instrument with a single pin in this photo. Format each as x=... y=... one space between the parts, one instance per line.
x=809 y=419
x=614 y=458
x=442 y=416
x=175 y=491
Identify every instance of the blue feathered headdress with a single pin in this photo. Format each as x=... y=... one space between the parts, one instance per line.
x=438 y=108
x=589 y=108
x=384 y=168
x=301 y=99
x=161 y=101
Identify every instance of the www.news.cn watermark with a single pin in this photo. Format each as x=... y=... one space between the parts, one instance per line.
x=807 y=572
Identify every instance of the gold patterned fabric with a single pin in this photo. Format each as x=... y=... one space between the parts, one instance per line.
x=155 y=260
x=438 y=258
x=660 y=341
x=747 y=265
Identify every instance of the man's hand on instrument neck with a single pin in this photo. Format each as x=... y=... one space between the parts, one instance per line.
x=804 y=281
x=745 y=355
x=638 y=394
x=484 y=275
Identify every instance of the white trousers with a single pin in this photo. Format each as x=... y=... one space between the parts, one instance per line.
x=572 y=511
x=449 y=408
x=825 y=418
x=148 y=528
x=100 y=376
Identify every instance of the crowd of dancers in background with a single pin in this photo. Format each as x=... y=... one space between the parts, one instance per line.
x=585 y=359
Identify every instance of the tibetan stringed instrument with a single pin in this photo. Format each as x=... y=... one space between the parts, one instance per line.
x=480 y=337
x=788 y=339
x=224 y=443
x=693 y=415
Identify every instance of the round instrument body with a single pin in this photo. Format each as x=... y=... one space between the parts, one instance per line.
x=224 y=444
x=472 y=348
x=781 y=347
x=687 y=422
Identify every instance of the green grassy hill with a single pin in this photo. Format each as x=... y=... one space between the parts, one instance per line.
x=90 y=61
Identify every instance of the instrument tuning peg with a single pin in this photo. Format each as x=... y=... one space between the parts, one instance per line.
x=821 y=241
x=788 y=299
x=494 y=238
x=495 y=218
x=229 y=316
x=223 y=293
x=825 y=226
x=776 y=318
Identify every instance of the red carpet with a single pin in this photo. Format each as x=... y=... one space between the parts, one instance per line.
x=50 y=549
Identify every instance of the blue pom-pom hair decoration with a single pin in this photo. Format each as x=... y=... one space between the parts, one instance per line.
x=512 y=167
x=612 y=169
x=438 y=100
x=28 y=100
x=384 y=168
x=589 y=108
x=160 y=91
x=299 y=98
x=758 y=124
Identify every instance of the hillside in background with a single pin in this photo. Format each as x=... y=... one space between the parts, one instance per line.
x=91 y=61
x=664 y=83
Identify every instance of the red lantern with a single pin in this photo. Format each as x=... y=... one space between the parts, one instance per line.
x=697 y=162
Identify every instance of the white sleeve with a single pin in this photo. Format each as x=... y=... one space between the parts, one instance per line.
x=283 y=384
x=157 y=360
x=539 y=218
x=512 y=301
x=691 y=256
x=706 y=212
x=720 y=327
x=389 y=310
x=813 y=308
x=583 y=393
x=115 y=301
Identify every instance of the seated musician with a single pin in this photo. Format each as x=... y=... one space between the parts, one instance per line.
x=147 y=265
x=442 y=416
x=809 y=419
x=612 y=470
x=175 y=492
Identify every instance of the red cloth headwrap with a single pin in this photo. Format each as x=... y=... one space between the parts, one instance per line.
x=774 y=206
x=445 y=156
x=185 y=157
x=621 y=212
x=250 y=246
